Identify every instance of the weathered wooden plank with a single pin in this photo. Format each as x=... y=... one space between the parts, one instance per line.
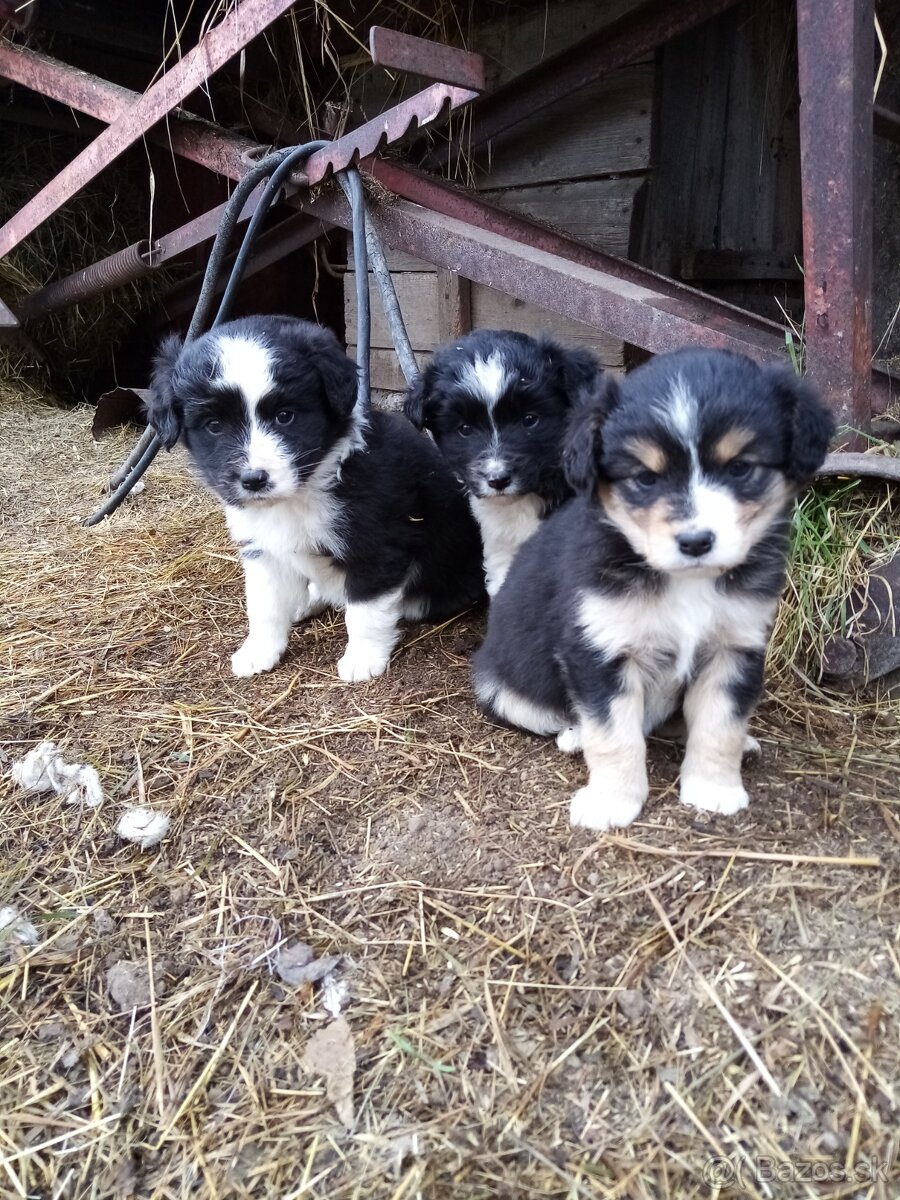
x=596 y=211
x=385 y=371
x=495 y=310
x=603 y=129
x=454 y=305
x=417 y=294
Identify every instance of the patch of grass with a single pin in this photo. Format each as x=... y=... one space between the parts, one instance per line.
x=841 y=529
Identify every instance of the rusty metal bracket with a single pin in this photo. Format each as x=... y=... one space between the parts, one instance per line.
x=237 y=28
x=420 y=56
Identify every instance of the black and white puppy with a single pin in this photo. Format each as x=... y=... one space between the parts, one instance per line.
x=497 y=403
x=657 y=585
x=328 y=504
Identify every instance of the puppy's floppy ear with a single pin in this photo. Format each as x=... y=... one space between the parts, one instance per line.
x=339 y=378
x=583 y=444
x=162 y=406
x=578 y=368
x=416 y=396
x=810 y=425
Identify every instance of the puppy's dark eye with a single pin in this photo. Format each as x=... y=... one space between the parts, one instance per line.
x=646 y=479
x=214 y=425
x=284 y=416
x=530 y=420
x=738 y=468
x=464 y=430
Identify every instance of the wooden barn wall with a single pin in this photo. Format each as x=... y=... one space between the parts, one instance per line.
x=576 y=168
x=721 y=208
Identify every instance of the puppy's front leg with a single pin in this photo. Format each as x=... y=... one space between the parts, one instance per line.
x=273 y=589
x=612 y=737
x=372 y=634
x=717 y=706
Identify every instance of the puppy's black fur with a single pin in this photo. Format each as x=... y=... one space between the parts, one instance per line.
x=659 y=581
x=356 y=504
x=496 y=403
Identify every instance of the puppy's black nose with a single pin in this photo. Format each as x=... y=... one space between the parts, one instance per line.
x=499 y=482
x=696 y=544
x=254 y=481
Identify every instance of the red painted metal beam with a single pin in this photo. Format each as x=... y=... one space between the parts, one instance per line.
x=835 y=44
x=237 y=28
x=420 y=56
x=758 y=336
x=627 y=309
x=183 y=133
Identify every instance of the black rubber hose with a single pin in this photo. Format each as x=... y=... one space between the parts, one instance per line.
x=148 y=445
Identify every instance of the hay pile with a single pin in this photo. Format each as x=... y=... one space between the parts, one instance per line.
x=531 y=1012
x=78 y=342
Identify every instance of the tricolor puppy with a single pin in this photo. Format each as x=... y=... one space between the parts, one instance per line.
x=657 y=585
x=497 y=404
x=328 y=504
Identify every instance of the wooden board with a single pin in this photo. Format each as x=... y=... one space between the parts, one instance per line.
x=495 y=310
x=385 y=371
x=417 y=295
x=596 y=211
x=727 y=170
x=602 y=130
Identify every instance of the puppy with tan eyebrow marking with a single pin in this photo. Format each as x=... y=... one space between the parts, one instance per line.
x=656 y=587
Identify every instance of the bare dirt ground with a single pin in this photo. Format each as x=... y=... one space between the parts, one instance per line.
x=695 y=1007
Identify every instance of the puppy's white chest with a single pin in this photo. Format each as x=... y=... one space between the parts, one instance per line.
x=300 y=532
x=505 y=523
x=674 y=625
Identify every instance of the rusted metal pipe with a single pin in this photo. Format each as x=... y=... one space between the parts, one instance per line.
x=835 y=48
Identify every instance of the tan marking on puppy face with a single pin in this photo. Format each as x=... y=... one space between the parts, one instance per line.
x=731 y=444
x=755 y=516
x=650 y=529
x=648 y=453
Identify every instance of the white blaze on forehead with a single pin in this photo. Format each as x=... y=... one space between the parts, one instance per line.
x=680 y=413
x=245 y=365
x=486 y=378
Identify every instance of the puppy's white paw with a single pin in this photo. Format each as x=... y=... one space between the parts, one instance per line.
x=254 y=657
x=569 y=740
x=600 y=808
x=751 y=747
x=724 y=798
x=361 y=662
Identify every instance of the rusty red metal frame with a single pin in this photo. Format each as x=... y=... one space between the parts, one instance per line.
x=237 y=28
x=206 y=144
x=552 y=279
x=835 y=44
x=419 y=56
x=635 y=35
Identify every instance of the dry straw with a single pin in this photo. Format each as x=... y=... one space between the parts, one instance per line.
x=532 y=1012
